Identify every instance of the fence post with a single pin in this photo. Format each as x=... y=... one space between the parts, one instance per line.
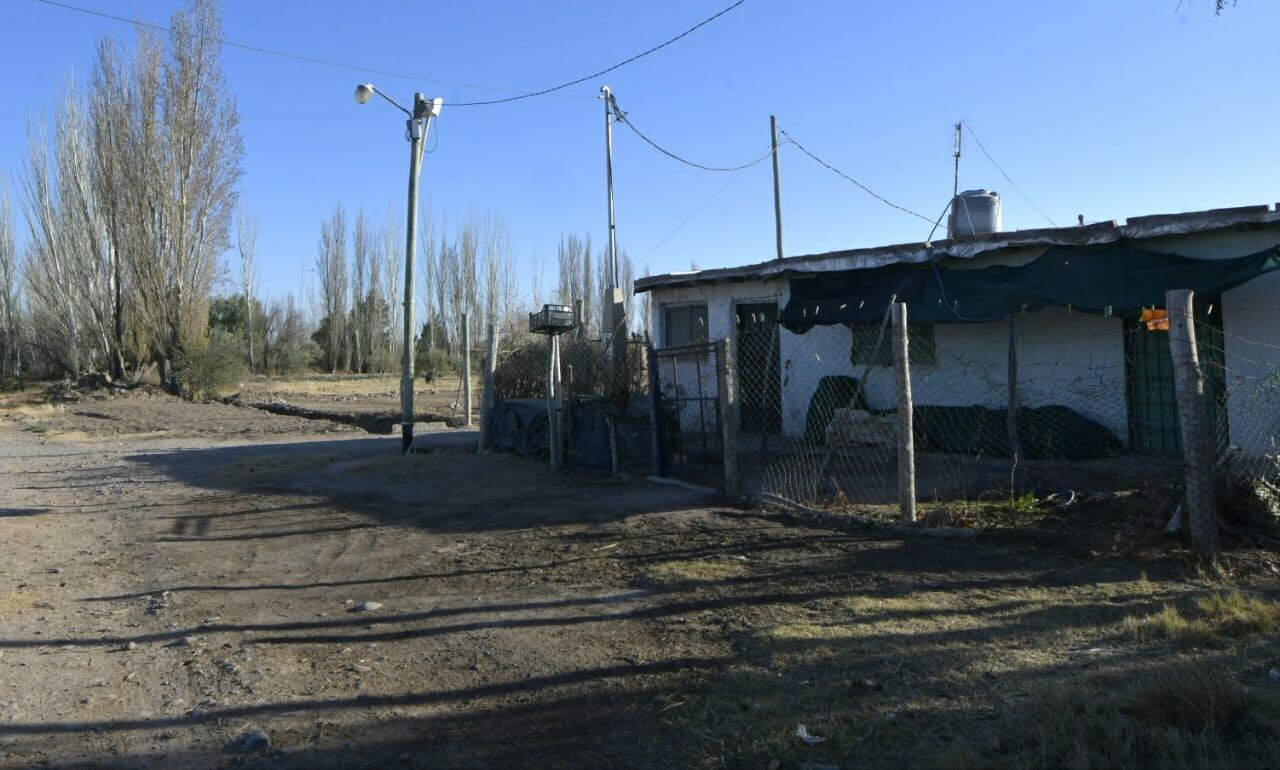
x=553 y=411
x=655 y=415
x=488 y=398
x=1197 y=442
x=726 y=382
x=906 y=441
x=1016 y=471
x=466 y=371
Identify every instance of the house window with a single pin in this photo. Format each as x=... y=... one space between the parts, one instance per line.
x=921 y=347
x=685 y=324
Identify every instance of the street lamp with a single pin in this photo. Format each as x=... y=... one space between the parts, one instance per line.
x=418 y=124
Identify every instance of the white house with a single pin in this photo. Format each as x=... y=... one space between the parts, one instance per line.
x=1092 y=355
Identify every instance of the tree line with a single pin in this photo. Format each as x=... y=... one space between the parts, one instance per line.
x=128 y=198
x=129 y=194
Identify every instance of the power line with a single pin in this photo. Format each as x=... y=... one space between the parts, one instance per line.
x=293 y=56
x=607 y=70
x=622 y=117
x=1012 y=184
x=519 y=94
x=865 y=189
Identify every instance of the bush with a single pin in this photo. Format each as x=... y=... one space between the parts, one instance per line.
x=434 y=362
x=295 y=358
x=211 y=364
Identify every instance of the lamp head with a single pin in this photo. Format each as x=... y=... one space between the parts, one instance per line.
x=364 y=92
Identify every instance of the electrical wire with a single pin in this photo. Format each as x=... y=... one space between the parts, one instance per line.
x=294 y=56
x=1012 y=184
x=865 y=189
x=622 y=118
x=607 y=70
x=519 y=94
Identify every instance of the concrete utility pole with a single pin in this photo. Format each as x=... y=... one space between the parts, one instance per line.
x=612 y=312
x=419 y=124
x=777 y=184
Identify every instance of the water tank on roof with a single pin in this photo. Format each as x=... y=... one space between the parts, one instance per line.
x=975 y=212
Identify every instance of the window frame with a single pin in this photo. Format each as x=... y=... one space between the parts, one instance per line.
x=693 y=339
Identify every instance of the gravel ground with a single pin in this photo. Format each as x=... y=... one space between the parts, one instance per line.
x=205 y=585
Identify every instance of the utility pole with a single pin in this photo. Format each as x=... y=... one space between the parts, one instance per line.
x=419 y=124
x=607 y=95
x=777 y=184
x=955 y=187
x=612 y=312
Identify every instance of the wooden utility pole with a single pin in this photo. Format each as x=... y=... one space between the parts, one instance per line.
x=726 y=386
x=488 y=398
x=906 y=442
x=1197 y=437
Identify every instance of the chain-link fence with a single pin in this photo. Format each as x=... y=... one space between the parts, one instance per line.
x=1049 y=404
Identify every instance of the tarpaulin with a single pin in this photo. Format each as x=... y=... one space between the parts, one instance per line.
x=1112 y=279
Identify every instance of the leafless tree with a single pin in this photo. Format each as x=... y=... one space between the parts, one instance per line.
x=67 y=271
x=362 y=248
x=331 y=270
x=569 y=258
x=189 y=147
x=247 y=245
x=392 y=271
x=10 y=347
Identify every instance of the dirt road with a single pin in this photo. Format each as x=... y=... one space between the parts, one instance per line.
x=177 y=599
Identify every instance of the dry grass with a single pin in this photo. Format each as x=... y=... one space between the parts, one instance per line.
x=344 y=385
x=695 y=571
x=1211 y=620
x=1177 y=717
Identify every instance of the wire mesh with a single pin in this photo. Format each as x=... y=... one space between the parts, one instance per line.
x=690 y=410
x=1050 y=403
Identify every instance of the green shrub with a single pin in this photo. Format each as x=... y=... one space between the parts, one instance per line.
x=295 y=358
x=434 y=362
x=211 y=364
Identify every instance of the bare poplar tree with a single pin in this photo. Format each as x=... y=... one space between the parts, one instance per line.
x=587 y=292
x=361 y=265
x=184 y=153
x=392 y=267
x=569 y=260
x=468 y=276
x=10 y=346
x=331 y=270
x=247 y=245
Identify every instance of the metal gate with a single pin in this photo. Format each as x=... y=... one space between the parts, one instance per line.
x=687 y=435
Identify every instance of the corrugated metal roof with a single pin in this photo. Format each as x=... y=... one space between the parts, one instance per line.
x=1135 y=228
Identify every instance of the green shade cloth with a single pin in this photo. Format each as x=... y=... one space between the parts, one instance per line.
x=1112 y=279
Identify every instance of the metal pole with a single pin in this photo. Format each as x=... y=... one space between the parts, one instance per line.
x=777 y=184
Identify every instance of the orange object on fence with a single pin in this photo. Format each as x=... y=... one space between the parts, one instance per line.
x=1156 y=320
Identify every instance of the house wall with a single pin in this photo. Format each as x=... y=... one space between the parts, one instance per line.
x=1251 y=326
x=721 y=301
x=1073 y=359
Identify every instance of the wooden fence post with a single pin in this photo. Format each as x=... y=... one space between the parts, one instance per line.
x=1193 y=419
x=1016 y=470
x=906 y=442
x=466 y=371
x=655 y=415
x=488 y=398
x=726 y=383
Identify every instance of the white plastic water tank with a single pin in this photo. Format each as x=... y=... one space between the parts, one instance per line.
x=975 y=212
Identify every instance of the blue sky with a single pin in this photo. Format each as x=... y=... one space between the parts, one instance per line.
x=1094 y=107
